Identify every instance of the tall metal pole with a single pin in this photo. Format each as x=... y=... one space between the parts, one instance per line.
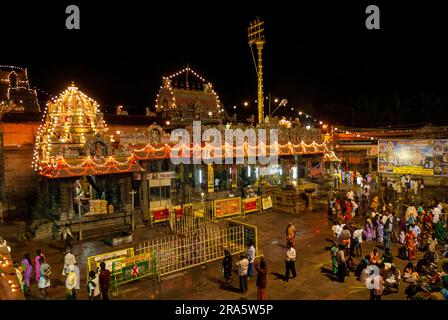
x=260 y=84
x=255 y=35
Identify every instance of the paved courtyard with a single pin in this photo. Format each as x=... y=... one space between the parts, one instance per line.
x=313 y=264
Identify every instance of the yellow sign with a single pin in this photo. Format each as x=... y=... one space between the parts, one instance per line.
x=266 y=203
x=227 y=207
x=211 y=179
x=413 y=170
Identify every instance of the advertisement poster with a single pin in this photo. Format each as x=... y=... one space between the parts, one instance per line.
x=158 y=215
x=210 y=179
x=420 y=157
x=266 y=203
x=227 y=207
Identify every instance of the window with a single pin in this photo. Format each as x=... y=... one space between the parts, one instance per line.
x=159 y=193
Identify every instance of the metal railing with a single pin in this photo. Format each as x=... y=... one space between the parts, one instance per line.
x=193 y=248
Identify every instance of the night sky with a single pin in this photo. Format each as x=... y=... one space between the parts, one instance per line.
x=320 y=57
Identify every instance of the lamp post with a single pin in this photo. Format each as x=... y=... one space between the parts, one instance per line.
x=133 y=192
x=282 y=103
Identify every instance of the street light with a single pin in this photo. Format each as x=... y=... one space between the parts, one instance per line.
x=246 y=103
x=284 y=102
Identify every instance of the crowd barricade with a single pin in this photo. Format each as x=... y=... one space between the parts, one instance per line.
x=128 y=269
x=205 y=244
x=93 y=262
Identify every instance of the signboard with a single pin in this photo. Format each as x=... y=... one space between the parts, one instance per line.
x=420 y=157
x=108 y=258
x=266 y=203
x=142 y=267
x=251 y=204
x=210 y=179
x=227 y=207
x=160 y=215
x=161 y=175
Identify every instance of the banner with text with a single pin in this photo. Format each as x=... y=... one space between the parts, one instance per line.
x=227 y=207
x=419 y=157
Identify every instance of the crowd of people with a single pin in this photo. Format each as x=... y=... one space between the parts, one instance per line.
x=391 y=215
x=97 y=283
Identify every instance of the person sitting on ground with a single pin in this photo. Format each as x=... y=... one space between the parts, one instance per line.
x=392 y=278
x=409 y=273
x=374 y=257
x=362 y=265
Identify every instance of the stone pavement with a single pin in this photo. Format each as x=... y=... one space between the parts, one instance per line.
x=313 y=263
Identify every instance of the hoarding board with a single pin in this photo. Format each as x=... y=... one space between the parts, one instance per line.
x=227 y=207
x=419 y=157
x=251 y=204
x=266 y=203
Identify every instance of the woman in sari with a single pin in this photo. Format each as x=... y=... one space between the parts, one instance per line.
x=368 y=230
x=334 y=262
x=410 y=244
x=374 y=226
x=379 y=231
x=27 y=267
x=441 y=232
x=39 y=254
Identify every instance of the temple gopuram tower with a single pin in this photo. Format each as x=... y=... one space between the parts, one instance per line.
x=185 y=96
x=71 y=122
x=15 y=90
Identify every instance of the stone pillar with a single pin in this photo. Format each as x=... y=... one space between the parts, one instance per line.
x=123 y=189
x=145 y=192
x=66 y=199
x=287 y=172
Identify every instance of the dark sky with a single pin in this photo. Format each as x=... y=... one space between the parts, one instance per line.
x=320 y=56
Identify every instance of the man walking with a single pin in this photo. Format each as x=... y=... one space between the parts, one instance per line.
x=290 y=263
x=104 y=281
x=71 y=282
x=67 y=237
x=251 y=258
x=243 y=265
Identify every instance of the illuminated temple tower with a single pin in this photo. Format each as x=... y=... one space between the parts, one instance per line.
x=83 y=169
x=72 y=123
x=185 y=96
x=15 y=90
